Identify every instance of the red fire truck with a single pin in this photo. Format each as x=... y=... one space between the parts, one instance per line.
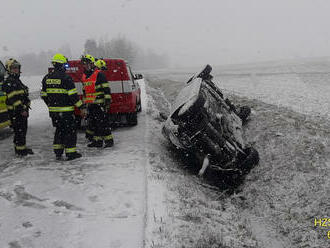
x=125 y=90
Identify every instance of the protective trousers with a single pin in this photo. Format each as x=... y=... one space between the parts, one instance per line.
x=99 y=122
x=90 y=132
x=65 y=134
x=19 y=124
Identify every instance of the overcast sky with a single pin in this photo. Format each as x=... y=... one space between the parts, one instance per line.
x=191 y=32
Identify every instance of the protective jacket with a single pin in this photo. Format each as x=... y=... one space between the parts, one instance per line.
x=96 y=88
x=17 y=95
x=59 y=93
x=18 y=102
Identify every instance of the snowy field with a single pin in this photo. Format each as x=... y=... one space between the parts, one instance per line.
x=33 y=82
x=303 y=87
x=282 y=196
x=303 y=92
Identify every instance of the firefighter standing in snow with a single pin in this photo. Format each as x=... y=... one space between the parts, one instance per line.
x=101 y=65
x=18 y=104
x=60 y=95
x=98 y=99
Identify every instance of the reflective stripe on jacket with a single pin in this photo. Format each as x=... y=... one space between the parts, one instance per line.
x=17 y=93
x=96 y=88
x=59 y=92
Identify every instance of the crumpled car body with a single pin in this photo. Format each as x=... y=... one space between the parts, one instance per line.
x=203 y=123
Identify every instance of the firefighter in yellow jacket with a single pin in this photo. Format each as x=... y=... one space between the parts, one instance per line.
x=18 y=104
x=97 y=98
x=61 y=96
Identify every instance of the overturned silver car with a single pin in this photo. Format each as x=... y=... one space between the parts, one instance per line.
x=208 y=126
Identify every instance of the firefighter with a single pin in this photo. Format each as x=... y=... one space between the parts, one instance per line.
x=60 y=95
x=100 y=64
x=18 y=104
x=98 y=99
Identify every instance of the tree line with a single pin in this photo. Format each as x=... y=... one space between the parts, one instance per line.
x=119 y=47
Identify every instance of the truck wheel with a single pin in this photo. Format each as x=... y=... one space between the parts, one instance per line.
x=132 y=119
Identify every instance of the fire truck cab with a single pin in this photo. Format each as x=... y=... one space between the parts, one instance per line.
x=125 y=90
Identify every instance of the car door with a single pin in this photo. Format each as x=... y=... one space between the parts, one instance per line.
x=135 y=85
x=4 y=119
x=2 y=71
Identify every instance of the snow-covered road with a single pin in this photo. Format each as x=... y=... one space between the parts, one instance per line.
x=97 y=201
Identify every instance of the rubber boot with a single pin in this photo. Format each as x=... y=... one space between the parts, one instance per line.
x=108 y=143
x=73 y=155
x=21 y=153
x=58 y=156
x=29 y=151
x=98 y=143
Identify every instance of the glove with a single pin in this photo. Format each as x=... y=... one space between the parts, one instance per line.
x=106 y=108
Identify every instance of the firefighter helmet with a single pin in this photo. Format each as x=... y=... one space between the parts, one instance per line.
x=100 y=63
x=87 y=58
x=12 y=64
x=59 y=58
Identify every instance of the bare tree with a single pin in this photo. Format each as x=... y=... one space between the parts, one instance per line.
x=121 y=47
x=90 y=47
x=66 y=50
